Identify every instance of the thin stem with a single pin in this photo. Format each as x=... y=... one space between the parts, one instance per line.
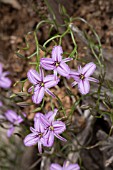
x=37 y=52
x=52 y=38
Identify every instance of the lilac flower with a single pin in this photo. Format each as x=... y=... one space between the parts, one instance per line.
x=82 y=77
x=14 y=119
x=56 y=63
x=45 y=128
x=41 y=84
x=66 y=166
x=54 y=128
x=37 y=136
x=4 y=81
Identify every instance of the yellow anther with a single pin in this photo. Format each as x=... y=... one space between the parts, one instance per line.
x=40 y=135
x=42 y=84
x=82 y=77
x=51 y=128
x=57 y=64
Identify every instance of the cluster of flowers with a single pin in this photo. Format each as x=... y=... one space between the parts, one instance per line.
x=45 y=129
x=43 y=133
x=42 y=84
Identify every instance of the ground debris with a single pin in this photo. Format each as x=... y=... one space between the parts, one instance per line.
x=14 y=3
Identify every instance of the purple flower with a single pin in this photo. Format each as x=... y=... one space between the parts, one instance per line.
x=56 y=63
x=54 y=128
x=4 y=81
x=41 y=84
x=66 y=166
x=14 y=119
x=82 y=77
x=37 y=136
x=45 y=128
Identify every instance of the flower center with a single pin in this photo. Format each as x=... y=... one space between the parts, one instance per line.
x=51 y=128
x=57 y=64
x=40 y=135
x=42 y=84
x=82 y=76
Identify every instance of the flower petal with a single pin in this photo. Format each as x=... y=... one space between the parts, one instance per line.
x=84 y=86
x=50 y=81
x=57 y=53
x=60 y=137
x=33 y=76
x=59 y=127
x=30 y=89
x=10 y=131
x=51 y=115
x=67 y=59
x=73 y=167
x=11 y=116
x=4 y=74
x=63 y=69
x=38 y=95
x=79 y=69
x=74 y=74
x=50 y=93
x=39 y=126
x=47 y=63
x=49 y=139
x=55 y=167
x=33 y=130
x=37 y=116
x=44 y=121
x=5 y=82
x=88 y=69
x=93 y=79
x=36 y=87
x=55 y=73
x=76 y=78
x=41 y=73
x=74 y=83
x=19 y=119
x=31 y=139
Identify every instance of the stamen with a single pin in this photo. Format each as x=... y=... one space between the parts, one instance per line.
x=56 y=64
x=42 y=84
x=82 y=77
x=51 y=128
x=40 y=135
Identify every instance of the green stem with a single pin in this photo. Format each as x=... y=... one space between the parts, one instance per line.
x=32 y=55
x=56 y=36
x=37 y=52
